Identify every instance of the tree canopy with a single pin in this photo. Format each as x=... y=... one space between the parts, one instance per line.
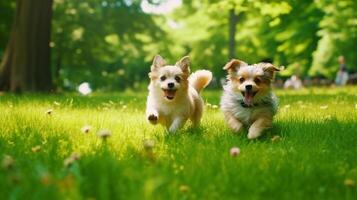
x=111 y=43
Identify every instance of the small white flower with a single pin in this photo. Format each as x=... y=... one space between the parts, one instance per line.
x=86 y=129
x=214 y=106
x=104 y=134
x=235 y=151
x=49 y=111
x=84 y=88
x=324 y=107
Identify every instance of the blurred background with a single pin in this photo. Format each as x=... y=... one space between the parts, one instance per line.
x=107 y=45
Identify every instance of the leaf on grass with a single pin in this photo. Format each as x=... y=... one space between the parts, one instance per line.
x=184 y=188
x=276 y=138
x=7 y=162
x=349 y=182
x=71 y=159
x=36 y=148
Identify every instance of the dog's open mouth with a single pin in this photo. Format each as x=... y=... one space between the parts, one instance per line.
x=169 y=93
x=249 y=96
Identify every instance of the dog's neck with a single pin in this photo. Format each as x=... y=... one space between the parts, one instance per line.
x=265 y=100
x=258 y=104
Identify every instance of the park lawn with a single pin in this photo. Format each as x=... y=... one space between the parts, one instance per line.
x=313 y=154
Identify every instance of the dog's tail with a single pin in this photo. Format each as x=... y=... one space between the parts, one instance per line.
x=200 y=79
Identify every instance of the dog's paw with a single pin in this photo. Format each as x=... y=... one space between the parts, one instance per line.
x=153 y=118
x=236 y=128
x=253 y=134
x=233 y=123
x=172 y=130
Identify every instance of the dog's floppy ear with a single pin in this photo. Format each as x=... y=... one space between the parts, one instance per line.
x=184 y=64
x=157 y=62
x=270 y=69
x=234 y=65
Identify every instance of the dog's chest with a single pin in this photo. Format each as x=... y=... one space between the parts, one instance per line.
x=173 y=109
x=233 y=104
x=247 y=115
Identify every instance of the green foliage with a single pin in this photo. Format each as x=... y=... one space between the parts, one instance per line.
x=316 y=146
x=111 y=43
x=102 y=42
x=296 y=34
x=338 y=36
x=7 y=9
x=266 y=30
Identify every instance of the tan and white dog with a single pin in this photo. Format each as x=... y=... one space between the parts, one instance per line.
x=174 y=93
x=248 y=99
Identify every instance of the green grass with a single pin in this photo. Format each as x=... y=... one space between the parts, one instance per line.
x=316 y=155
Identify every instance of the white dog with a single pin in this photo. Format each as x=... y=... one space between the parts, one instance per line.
x=248 y=98
x=174 y=93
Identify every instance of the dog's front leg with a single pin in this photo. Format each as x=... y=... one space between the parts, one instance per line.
x=233 y=122
x=152 y=115
x=259 y=125
x=176 y=125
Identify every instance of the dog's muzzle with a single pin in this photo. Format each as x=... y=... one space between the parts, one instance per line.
x=169 y=93
x=249 y=96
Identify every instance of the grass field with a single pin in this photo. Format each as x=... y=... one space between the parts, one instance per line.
x=313 y=154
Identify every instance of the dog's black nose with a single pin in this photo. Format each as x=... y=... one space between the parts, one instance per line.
x=248 y=87
x=171 y=85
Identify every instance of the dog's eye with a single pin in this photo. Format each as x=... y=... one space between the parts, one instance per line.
x=177 y=78
x=241 y=80
x=257 y=80
x=162 y=78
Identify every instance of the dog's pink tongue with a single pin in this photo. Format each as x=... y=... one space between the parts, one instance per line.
x=170 y=94
x=248 y=98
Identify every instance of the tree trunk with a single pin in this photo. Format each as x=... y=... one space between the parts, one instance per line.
x=26 y=62
x=233 y=19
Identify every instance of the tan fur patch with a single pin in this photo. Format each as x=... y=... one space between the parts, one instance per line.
x=172 y=97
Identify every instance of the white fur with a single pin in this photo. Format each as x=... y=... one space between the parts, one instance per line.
x=187 y=103
x=257 y=115
x=230 y=102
